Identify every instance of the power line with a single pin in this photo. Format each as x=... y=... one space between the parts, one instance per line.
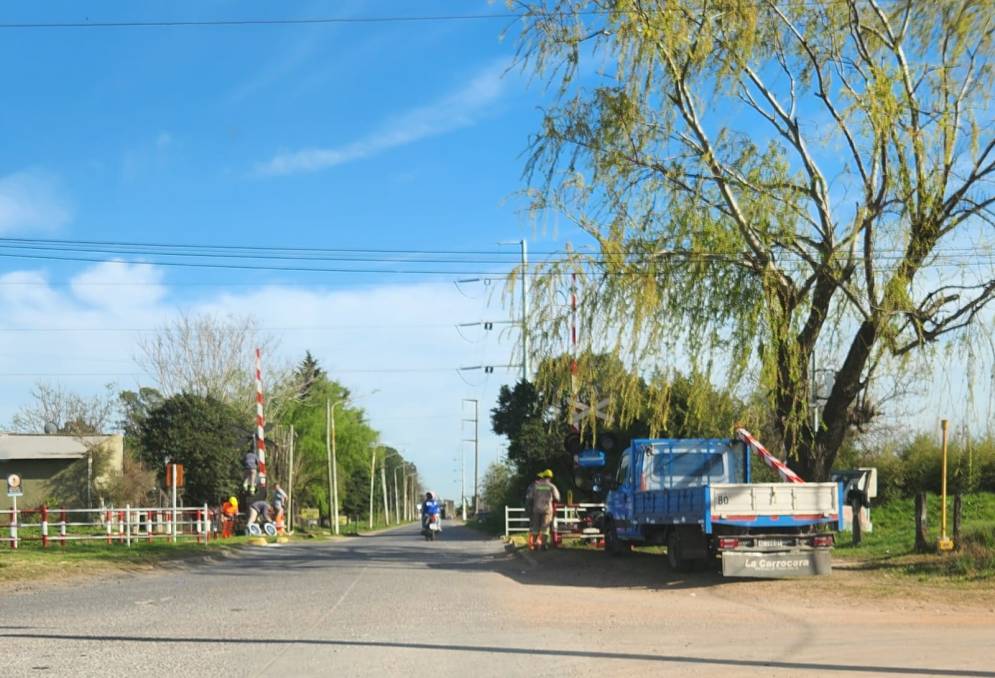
x=359 y=20
x=304 y=21
x=334 y=371
x=952 y=259
x=301 y=328
x=230 y=249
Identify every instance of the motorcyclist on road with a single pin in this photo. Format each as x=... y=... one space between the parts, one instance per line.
x=430 y=507
x=539 y=503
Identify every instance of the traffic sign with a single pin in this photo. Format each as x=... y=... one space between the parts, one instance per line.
x=14 y=488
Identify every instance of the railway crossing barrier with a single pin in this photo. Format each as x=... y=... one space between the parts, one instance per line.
x=113 y=525
x=578 y=520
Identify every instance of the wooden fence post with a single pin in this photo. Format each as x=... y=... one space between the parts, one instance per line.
x=922 y=541
x=957 y=516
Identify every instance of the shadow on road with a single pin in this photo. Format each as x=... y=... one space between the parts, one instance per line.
x=462 y=549
x=486 y=649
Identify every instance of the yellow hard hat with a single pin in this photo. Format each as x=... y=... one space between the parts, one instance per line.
x=233 y=501
x=546 y=474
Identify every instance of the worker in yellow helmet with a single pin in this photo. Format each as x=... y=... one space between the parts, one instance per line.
x=229 y=512
x=539 y=500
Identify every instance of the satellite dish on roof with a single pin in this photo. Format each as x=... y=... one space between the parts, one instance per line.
x=51 y=428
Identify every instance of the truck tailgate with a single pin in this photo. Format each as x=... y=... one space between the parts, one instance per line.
x=775 y=504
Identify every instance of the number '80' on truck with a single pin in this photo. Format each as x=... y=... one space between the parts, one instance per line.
x=696 y=497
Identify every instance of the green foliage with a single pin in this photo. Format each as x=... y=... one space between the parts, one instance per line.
x=701 y=164
x=307 y=374
x=135 y=406
x=204 y=434
x=68 y=487
x=496 y=485
x=917 y=467
x=534 y=417
x=133 y=484
x=354 y=439
x=892 y=542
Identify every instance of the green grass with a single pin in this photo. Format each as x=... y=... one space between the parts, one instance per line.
x=891 y=544
x=30 y=561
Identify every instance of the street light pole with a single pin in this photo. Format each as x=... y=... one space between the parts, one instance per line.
x=525 y=312
x=397 y=497
x=373 y=475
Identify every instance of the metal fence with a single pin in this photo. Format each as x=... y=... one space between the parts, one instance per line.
x=573 y=519
x=113 y=525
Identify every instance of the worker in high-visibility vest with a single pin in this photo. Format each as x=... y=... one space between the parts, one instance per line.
x=539 y=499
x=229 y=512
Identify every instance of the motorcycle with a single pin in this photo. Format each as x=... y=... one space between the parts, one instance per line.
x=432 y=527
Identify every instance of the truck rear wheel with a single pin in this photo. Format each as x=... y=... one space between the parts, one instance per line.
x=614 y=545
x=675 y=557
x=687 y=549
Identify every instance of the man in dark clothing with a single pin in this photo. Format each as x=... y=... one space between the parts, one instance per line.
x=540 y=502
x=257 y=509
x=251 y=466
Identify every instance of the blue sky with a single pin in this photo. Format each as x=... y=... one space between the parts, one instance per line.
x=372 y=135
x=375 y=136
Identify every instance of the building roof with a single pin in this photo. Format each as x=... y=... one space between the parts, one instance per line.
x=38 y=446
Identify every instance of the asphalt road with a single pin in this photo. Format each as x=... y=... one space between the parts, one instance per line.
x=393 y=604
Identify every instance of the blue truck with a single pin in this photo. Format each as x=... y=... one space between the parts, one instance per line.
x=695 y=496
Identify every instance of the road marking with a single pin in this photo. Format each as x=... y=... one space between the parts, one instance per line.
x=320 y=622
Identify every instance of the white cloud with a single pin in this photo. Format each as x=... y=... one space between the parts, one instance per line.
x=456 y=110
x=398 y=339
x=30 y=200
x=117 y=284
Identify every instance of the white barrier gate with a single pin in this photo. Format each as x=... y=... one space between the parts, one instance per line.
x=567 y=520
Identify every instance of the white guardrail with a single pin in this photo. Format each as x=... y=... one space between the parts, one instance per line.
x=568 y=519
x=122 y=525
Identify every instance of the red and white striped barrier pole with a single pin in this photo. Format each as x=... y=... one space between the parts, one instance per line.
x=110 y=526
x=62 y=527
x=260 y=421
x=13 y=525
x=769 y=459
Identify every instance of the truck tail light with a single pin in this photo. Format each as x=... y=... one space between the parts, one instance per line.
x=823 y=540
x=726 y=543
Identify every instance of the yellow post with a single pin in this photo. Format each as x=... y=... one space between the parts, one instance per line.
x=944 y=544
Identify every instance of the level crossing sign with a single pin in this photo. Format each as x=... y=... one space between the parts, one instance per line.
x=14 y=488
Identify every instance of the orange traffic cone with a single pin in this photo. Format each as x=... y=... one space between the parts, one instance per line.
x=279 y=523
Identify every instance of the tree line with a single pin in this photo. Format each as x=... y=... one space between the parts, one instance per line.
x=203 y=416
x=535 y=419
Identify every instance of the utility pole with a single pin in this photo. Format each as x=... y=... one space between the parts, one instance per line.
x=525 y=314
x=476 y=449
x=373 y=476
x=397 y=498
x=333 y=509
x=335 y=470
x=290 y=484
x=383 y=483
x=405 y=475
x=462 y=485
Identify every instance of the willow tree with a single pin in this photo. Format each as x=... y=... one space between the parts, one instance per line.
x=768 y=180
